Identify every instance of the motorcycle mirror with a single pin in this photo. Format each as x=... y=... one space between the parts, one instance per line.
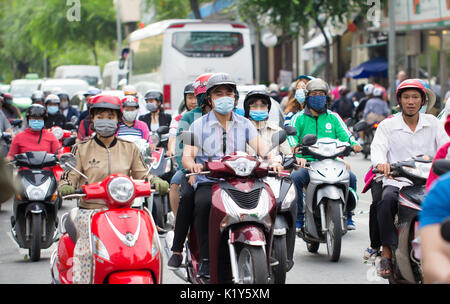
x=360 y=126
x=441 y=166
x=16 y=123
x=290 y=131
x=67 y=161
x=162 y=130
x=69 y=141
x=309 y=140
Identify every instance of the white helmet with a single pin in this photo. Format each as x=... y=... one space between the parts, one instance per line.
x=368 y=89
x=378 y=91
x=129 y=90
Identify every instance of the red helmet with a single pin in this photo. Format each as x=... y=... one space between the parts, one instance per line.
x=412 y=84
x=105 y=102
x=201 y=82
x=129 y=101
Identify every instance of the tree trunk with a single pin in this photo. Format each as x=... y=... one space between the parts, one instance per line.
x=195 y=9
x=94 y=52
x=327 y=51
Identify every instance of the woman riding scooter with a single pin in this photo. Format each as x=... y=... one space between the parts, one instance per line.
x=98 y=157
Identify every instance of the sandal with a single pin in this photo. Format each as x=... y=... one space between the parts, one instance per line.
x=385 y=266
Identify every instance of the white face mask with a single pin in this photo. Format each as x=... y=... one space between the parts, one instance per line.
x=64 y=104
x=130 y=116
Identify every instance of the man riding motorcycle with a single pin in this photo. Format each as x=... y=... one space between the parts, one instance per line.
x=97 y=158
x=404 y=135
x=232 y=132
x=55 y=118
x=316 y=119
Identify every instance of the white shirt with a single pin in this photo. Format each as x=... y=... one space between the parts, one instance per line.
x=394 y=141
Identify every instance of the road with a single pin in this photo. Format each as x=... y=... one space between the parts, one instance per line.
x=309 y=268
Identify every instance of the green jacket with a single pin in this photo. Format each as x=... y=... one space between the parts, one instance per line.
x=185 y=122
x=328 y=124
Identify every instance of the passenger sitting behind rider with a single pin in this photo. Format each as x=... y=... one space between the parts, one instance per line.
x=219 y=133
x=97 y=158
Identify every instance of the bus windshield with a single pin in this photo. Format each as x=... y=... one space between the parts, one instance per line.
x=207 y=44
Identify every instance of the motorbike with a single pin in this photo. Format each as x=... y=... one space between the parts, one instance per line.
x=35 y=206
x=241 y=221
x=406 y=265
x=326 y=196
x=369 y=132
x=125 y=243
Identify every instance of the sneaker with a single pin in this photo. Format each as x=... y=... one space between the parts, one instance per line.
x=350 y=224
x=370 y=252
x=175 y=261
x=298 y=225
x=203 y=269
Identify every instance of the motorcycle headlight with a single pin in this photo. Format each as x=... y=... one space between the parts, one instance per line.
x=422 y=170
x=35 y=194
x=121 y=189
x=99 y=248
x=290 y=197
x=242 y=166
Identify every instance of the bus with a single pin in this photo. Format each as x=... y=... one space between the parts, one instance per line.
x=167 y=55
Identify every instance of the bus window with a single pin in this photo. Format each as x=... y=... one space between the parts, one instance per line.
x=207 y=44
x=147 y=55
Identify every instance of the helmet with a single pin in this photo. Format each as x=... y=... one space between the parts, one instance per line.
x=7 y=97
x=368 y=89
x=93 y=92
x=52 y=98
x=378 y=91
x=317 y=84
x=154 y=94
x=189 y=89
x=106 y=102
x=200 y=83
x=129 y=90
x=62 y=95
x=256 y=94
x=130 y=101
x=220 y=79
x=36 y=110
x=412 y=84
x=37 y=96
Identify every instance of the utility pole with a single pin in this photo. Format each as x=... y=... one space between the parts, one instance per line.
x=391 y=51
x=119 y=28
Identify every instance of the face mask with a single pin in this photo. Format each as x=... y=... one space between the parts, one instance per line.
x=224 y=105
x=300 y=95
x=151 y=107
x=259 y=115
x=53 y=109
x=105 y=127
x=36 y=124
x=239 y=111
x=64 y=104
x=317 y=102
x=130 y=115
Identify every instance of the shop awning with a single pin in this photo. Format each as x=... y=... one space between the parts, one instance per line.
x=377 y=67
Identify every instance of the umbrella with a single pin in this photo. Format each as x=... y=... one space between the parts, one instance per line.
x=374 y=67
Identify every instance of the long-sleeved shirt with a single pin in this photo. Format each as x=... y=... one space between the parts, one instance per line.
x=394 y=141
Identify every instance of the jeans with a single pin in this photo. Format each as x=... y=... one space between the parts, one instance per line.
x=176 y=178
x=300 y=178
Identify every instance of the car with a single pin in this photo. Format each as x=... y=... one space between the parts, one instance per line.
x=69 y=85
x=21 y=89
x=275 y=113
x=90 y=73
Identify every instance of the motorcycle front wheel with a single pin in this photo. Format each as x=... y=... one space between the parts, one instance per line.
x=252 y=265
x=36 y=225
x=279 y=252
x=334 y=232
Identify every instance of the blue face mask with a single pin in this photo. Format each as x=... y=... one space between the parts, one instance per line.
x=224 y=105
x=317 y=102
x=52 y=109
x=239 y=111
x=259 y=115
x=36 y=124
x=300 y=95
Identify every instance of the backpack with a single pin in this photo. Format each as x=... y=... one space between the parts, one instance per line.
x=345 y=109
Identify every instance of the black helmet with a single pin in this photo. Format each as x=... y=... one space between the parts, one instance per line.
x=62 y=95
x=36 y=110
x=220 y=79
x=154 y=94
x=254 y=95
x=37 y=96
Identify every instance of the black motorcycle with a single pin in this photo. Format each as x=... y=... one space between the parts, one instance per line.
x=35 y=207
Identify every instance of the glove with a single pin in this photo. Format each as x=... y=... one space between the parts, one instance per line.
x=66 y=190
x=160 y=185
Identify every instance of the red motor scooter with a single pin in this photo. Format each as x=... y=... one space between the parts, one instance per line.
x=241 y=221
x=125 y=243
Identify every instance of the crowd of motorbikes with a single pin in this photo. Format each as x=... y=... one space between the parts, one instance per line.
x=252 y=219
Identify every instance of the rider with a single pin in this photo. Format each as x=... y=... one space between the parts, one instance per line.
x=232 y=132
x=376 y=108
x=38 y=97
x=97 y=158
x=87 y=96
x=402 y=136
x=368 y=90
x=295 y=104
x=35 y=137
x=66 y=109
x=316 y=119
x=10 y=110
x=181 y=192
x=55 y=118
